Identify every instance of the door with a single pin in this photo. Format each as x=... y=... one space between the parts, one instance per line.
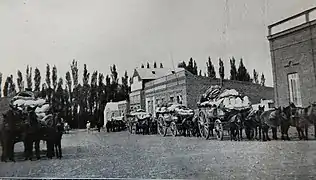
x=294 y=89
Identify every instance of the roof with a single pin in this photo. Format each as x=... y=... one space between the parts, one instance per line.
x=114 y=105
x=111 y=105
x=154 y=73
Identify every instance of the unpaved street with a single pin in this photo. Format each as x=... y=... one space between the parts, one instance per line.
x=122 y=155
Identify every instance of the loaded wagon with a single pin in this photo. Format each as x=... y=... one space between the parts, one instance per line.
x=177 y=118
x=222 y=110
x=116 y=124
x=140 y=121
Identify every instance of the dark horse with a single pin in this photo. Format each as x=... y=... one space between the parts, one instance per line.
x=235 y=126
x=272 y=119
x=10 y=132
x=301 y=118
x=253 y=123
x=32 y=134
x=53 y=135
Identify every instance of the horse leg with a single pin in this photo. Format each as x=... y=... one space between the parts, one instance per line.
x=314 y=128
x=282 y=132
x=240 y=133
x=37 y=149
x=299 y=132
x=31 y=150
x=56 y=149
x=260 y=132
x=306 y=132
x=231 y=133
x=267 y=133
x=2 y=152
x=274 y=133
x=59 y=149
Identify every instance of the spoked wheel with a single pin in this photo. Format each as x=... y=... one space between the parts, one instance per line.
x=204 y=126
x=130 y=128
x=173 y=128
x=219 y=130
x=162 y=130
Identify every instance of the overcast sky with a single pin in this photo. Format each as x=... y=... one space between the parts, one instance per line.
x=130 y=32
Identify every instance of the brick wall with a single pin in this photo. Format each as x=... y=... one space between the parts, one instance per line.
x=197 y=85
x=298 y=47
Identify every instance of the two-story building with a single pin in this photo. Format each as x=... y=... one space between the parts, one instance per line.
x=293 y=51
x=139 y=78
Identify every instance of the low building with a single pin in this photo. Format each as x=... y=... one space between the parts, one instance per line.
x=181 y=86
x=114 y=109
x=293 y=51
x=268 y=105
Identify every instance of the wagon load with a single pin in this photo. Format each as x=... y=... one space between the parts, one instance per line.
x=26 y=99
x=177 y=109
x=229 y=99
x=140 y=115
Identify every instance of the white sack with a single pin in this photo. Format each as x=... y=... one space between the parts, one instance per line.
x=229 y=92
x=19 y=102
x=42 y=109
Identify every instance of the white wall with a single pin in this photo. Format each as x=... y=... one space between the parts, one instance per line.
x=136 y=84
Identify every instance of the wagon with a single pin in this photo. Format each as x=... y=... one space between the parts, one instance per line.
x=139 y=120
x=217 y=119
x=116 y=124
x=177 y=119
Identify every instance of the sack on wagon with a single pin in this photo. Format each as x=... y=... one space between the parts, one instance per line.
x=42 y=109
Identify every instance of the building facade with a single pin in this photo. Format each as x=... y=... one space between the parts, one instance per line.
x=293 y=52
x=183 y=87
x=140 y=77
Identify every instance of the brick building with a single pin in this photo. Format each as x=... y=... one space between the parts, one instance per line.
x=293 y=52
x=182 y=86
x=139 y=78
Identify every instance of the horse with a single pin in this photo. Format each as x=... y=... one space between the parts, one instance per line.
x=311 y=114
x=272 y=119
x=235 y=126
x=32 y=134
x=253 y=123
x=10 y=133
x=301 y=118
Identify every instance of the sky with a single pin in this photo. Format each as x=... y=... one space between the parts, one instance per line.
x=127 y=33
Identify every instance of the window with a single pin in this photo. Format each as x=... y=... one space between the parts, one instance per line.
x=294 y=88
x=271 y=105
x=179 y=99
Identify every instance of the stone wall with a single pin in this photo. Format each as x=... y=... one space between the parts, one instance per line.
x=197 y=85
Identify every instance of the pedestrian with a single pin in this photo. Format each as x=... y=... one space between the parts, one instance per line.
x=88 y=126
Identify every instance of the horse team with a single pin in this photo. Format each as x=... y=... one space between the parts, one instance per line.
x=257 y=123
x=23 y=126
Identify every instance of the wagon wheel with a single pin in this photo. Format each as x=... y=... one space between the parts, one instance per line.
x=130 y=127
x=204 y=126
x=135 y=128
x=174 y=129
x=162 y=130
x=219 y=130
